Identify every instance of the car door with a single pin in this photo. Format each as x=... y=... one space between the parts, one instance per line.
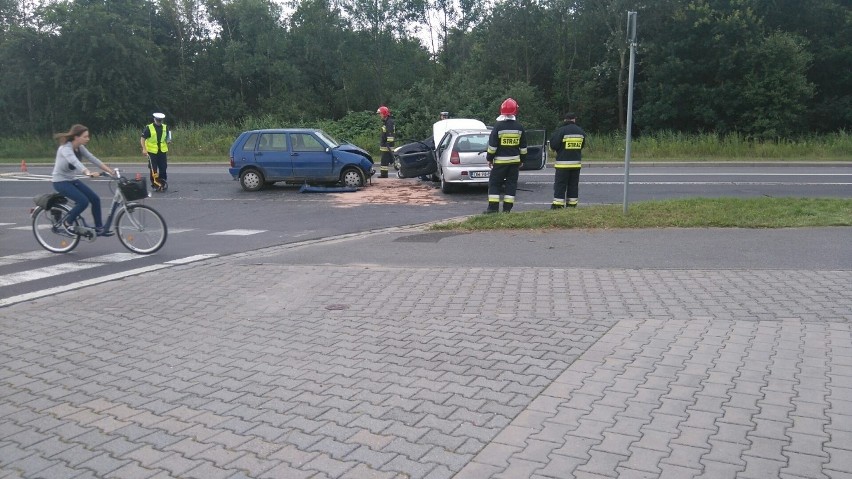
x=273 y=157
x=536 y=150
x=417 y=163
x=311 y=160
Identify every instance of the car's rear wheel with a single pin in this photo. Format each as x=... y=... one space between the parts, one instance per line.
x=447 y=187
x=396 y=164
x=352 y=177
x=252 y=180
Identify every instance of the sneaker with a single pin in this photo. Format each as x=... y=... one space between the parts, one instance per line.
x=70 y=229
x=103 y=232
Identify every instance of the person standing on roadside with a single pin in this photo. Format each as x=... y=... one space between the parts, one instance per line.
x=507 y=148
x=155 y=140
x=567 y=141
x=386 y=140
x=72 y=150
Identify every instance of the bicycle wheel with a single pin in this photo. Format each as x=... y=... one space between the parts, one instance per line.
x=141 y=229
x=49 y=232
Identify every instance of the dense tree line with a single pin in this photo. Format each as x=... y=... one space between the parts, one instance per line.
x=762 y=68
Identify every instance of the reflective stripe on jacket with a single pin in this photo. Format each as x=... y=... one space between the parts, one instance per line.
x=507 y=143
x=568 y=141
x=387 y=138
x=152 y=142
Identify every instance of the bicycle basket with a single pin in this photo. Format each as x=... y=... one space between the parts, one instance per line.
x=133 y=189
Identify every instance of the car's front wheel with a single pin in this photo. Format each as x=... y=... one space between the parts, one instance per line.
x=252 y=180
x=352 y=177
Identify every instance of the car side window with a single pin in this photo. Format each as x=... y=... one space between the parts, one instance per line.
x=305 y=142
x=250 y=143
x=445 y=142
x=273 y=142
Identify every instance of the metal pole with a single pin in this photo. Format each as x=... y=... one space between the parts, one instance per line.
x=631 y=38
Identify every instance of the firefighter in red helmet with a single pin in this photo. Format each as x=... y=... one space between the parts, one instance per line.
x=507 y=148
x=386 y=140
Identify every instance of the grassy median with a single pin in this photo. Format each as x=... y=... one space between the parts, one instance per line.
x=685 y=213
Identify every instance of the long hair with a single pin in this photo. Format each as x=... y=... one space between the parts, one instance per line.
x=75 y=131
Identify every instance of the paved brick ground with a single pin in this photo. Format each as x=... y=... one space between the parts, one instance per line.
x=247 y=368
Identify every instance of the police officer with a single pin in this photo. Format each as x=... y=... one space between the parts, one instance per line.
x=155 y=140
x=386 y=140
x=507 y=147
x=567 y=141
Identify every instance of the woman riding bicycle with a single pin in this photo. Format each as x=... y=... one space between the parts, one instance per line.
x=68 y=161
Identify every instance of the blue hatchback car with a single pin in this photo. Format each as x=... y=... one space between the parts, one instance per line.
x=297 y=155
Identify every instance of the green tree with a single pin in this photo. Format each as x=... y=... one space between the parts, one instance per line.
x=715 y=67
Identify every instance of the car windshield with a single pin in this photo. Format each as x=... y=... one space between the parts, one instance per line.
x=328 y=139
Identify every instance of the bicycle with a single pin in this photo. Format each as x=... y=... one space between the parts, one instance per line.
x=140 y=228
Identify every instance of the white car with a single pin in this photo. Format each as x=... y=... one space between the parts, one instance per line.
x=438 y=130
x=459 y=157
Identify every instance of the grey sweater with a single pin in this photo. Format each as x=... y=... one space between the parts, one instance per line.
x=67 y=165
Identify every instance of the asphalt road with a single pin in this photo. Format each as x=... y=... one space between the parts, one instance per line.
x=208 y=214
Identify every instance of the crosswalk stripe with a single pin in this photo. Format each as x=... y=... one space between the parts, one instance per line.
x=28 y=256
x=101 y=279
x=46 y=272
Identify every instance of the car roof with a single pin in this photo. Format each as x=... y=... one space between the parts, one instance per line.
x=471 y=131
x=283 y=130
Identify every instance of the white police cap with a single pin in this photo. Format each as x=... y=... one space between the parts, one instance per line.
x=159 y=116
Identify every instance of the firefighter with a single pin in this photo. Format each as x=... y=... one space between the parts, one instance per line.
x=567 y=141
x=386 y=140
x=507 y=147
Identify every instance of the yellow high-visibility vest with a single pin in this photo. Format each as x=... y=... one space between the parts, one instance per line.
x=151 y=141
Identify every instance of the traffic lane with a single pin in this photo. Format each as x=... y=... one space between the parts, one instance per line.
x=790 y=249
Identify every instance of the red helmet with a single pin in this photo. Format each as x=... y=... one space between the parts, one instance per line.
x=509 y=107
x=383 y=110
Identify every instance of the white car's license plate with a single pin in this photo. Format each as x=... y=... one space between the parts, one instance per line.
x=479 y=174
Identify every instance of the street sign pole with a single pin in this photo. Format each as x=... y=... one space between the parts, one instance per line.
x=631 y=39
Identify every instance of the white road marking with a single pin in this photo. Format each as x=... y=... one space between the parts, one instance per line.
x=46 y=272
x=192 y=259
x=111 y=258
x=706 y=183
x=28 y=256
x=101 y=279
x=237 y=233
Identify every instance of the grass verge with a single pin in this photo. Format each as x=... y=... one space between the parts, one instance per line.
x=685 y=213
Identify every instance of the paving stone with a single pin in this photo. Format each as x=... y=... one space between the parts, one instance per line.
x=714 y=367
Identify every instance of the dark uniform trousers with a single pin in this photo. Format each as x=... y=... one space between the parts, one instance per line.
x=503 y=181
x=567 y=180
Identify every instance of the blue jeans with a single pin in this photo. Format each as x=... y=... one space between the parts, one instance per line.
x=82 y=196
